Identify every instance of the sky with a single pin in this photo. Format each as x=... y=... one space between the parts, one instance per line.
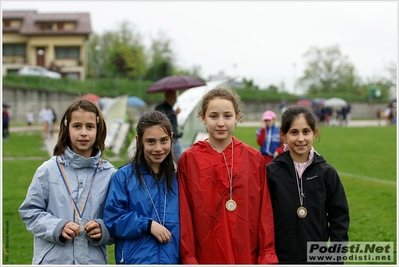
x=260 y=40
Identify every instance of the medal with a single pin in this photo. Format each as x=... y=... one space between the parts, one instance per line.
x=231 y=205
x=302 y=212
x=82 y=228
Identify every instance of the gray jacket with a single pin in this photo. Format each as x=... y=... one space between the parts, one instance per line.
x=48 y=207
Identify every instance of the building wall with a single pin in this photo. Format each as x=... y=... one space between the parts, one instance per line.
x=48 y=43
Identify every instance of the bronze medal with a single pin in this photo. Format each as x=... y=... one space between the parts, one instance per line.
x=302 y=212
x=231 y=205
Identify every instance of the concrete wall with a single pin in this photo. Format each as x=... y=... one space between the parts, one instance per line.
x=23 y=100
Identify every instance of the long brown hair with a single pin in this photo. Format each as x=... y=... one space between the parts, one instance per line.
x=167 y=167
x=64 y=140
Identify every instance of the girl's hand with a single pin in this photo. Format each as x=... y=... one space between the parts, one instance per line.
x=70 y=230
x=160 y=232
x=93 y=230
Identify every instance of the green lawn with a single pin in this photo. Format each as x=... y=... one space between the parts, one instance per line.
x=365 y=158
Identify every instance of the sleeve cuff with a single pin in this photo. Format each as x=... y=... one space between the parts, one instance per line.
x=149 y=225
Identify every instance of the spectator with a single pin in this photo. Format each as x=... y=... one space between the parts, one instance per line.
x=344 y=116
x=268 y=137
x=53 y=122
x=6 y=122
x=46 y=118
x=378 y=114
x=30 y=117
x=167 y=108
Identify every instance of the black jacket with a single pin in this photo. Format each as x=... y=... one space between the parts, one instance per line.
x=325 y=201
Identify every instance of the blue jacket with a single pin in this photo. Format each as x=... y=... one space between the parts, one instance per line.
x=127 y=211
x=272 y=140
x=48 y=207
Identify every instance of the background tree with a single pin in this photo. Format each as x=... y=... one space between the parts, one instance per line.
x=381 y=83
x=119 y=52
x=195 y=71
x=328 y=71
x=161 y=57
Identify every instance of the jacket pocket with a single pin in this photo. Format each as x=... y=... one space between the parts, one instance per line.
x=45 y=254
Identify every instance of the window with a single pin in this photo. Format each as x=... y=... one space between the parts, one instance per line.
x=66 y=52
x=14 y=50
x=60 y=26
x=6 y=23
x=46 y=26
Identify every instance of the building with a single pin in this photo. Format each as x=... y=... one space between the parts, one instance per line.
x=56 y=41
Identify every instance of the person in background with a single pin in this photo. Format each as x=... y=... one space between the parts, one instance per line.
x=167 y=108
x=64 y=204
x=142 y=207
x=30 y=117
x=46 y=118
x=388 y=114
x=308 y=198
x=344 y=116
x=51 y=128
x=348 y=113
x=268 y=137
x=6 y=122
x=225 y=210
x=378 y=114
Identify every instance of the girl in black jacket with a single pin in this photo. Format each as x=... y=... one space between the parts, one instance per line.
x=308 y=199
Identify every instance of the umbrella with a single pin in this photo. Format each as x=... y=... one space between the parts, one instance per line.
x=304 y=102
x=92 y=97
x=335 y=102
x=319 y=101
x=175 y=83
x=135 y=101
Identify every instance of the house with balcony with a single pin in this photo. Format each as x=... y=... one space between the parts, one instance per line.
x=55 y=41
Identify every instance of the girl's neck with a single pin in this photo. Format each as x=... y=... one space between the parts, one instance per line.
x=155 y=168
x=220 y=144
x=302 y=159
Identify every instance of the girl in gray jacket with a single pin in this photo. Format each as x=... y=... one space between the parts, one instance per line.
x=63 y=207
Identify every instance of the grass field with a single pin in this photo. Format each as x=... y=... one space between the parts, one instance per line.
x=365 y=158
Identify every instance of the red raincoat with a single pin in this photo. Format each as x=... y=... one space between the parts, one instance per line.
x=210 y=234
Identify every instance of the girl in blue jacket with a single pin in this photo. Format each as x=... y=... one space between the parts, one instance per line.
x=142 y=208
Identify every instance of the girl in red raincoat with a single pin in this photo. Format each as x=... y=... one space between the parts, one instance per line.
x=225 y=209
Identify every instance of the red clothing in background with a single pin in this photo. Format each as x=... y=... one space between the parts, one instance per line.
x=210 y=234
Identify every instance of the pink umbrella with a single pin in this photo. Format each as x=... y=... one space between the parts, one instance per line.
x=175 y=83
x=304 y=102
x=92 y=97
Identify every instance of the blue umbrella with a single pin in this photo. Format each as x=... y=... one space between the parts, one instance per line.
x=135 y=101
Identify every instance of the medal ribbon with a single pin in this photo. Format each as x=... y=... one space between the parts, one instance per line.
x=153 y=204
x=299 y=179
x=65 y=179
x=229 y=173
